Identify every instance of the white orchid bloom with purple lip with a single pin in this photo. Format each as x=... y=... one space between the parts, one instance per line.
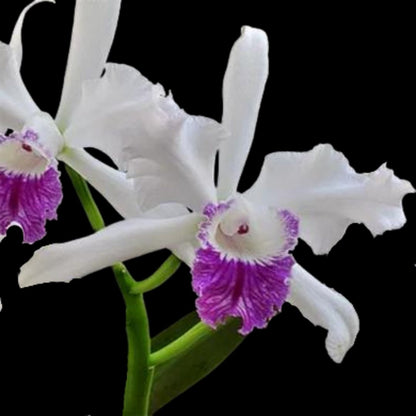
x=30 y=189
x=238 y=245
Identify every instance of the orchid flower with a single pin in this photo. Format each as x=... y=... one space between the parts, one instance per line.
x=30 y=189
x=238 y=245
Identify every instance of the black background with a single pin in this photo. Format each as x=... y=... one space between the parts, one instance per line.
x=336 y=75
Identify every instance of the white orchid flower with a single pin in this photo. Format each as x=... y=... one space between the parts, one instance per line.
x=236 y=244
x=30 y=189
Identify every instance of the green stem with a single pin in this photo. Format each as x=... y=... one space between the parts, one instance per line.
x=163 y=273
x=87 y=200
x=181 y=344
x=139 y=373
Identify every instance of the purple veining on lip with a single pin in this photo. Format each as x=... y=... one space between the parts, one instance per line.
x=253 y=291
x=28 y=200
x=28 y=135
x=210 y=211
x=291 y=224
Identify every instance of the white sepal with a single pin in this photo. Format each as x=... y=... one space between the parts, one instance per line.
x=16 y=104
x=327 y=308
x=16 y=39
x=118 y=242
x=243 y=87
x=184 y=251
x=93 y=32
x=109 y=182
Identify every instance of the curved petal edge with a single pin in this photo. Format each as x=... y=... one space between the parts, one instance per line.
x=169 y=153
x=16 y=39
x=118 y=242
x=243 y=87
x=93 y=31
x=326 y=193
x=327 y=308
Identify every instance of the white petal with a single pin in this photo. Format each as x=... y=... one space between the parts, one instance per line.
x=119 y=192
x=243 y=88
x=111 y=183
x=16 y=39
x=118 y=242
x=325 y=307
x=49 y=135
x=93 y=31
x=108 y=111
x=16 y=104
x=169 y=153
x=322 y=189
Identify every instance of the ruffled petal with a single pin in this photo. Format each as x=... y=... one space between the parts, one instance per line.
x=118 y=242
x=93 y=32
x=243 y=88
x=325 y=307
x=16 y=104
x=322 y=189
x=106 y=117
x=16 y=39
x=111 y=183
x=169 y=153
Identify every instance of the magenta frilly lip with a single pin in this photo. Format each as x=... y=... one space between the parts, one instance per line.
x=28 y=198
x=231 y=287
